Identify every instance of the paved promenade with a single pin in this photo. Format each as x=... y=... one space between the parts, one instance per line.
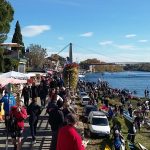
x=43 y=135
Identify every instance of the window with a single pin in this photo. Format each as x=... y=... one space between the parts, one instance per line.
x=86 y=99
x=89 y=109
x=100 y=121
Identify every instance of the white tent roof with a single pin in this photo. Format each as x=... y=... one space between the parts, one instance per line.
x=14 y=74
x=5 y=81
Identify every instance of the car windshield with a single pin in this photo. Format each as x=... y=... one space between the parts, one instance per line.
x=83 y=94
x=89 y=109
x=86 y=99
x=100 y=121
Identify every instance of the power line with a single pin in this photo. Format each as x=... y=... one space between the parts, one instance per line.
x=94 y=51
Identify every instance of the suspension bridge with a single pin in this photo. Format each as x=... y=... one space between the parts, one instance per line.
x=70 y=58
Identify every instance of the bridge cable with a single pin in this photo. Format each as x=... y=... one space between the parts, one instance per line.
x=63 y=49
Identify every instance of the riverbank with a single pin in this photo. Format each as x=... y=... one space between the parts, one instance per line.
x=100 y=143
x=113 y=99
x=136 y=82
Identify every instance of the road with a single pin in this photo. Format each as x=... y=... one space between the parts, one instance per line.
x=43 y=135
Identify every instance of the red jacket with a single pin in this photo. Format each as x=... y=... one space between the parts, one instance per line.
x=69 y=139
x=20 y=116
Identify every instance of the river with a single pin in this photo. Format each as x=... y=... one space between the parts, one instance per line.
x=131 y=80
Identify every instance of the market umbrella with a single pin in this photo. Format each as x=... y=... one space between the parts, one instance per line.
x=5 y=81
x=14 y=74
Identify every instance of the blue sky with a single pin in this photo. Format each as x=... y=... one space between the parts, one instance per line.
x=109 y=30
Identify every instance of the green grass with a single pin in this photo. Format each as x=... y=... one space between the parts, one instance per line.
x=99 y=144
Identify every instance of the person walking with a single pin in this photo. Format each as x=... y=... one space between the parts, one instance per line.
x=43 y=91
x=137 y=121
x=130 y=110
x=26 y=93
x=68 y=137
x=132 y=132
x=19 y=114
x=34 y=91
x=34 y=111
x=9 y=100
x=56 y=120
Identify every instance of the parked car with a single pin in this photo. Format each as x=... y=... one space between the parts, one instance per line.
x=98 y=124
x=81 y=94
x=85 y=100
x=86 y=110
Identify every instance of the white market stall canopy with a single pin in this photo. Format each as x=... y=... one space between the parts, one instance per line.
x=15 y=75
x=34 y=74
x=5 y=81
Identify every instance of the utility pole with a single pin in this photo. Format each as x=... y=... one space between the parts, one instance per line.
x=70 y=52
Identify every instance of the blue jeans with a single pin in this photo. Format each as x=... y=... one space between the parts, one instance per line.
x=33 y=126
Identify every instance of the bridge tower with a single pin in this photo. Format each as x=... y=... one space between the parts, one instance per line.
x=70 y=53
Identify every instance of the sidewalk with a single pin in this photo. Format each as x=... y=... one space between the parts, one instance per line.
x=43 y=135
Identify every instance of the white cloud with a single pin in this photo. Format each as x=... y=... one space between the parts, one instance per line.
x=60 y=38
x=34 y=30
x=105 y=43
x=87 y=34
x=130 y=36
x=143 y=41
x=126 y=47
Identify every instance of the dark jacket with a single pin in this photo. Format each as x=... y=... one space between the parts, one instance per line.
x=26 y=92
x=56 y=119
x=34 y=110
x=42 y=91
x=34 y=91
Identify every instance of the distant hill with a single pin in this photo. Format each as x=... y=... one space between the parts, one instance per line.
x=137 y=67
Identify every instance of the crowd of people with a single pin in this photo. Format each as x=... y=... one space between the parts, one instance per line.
x=61 y=110
x=62 y=113
x=101 y=92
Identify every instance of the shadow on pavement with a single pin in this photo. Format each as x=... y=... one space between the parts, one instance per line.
x=43 y=136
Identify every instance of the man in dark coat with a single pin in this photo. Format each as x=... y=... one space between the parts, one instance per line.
x=34 y=110
x=26 y=93
x=56 y=120
x=34 y=91
x=43 y=91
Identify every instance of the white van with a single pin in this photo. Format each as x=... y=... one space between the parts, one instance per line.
x=98 y=124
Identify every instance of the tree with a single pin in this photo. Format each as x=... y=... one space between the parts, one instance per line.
x=85 y=64
x=1 y=60
x=100 y=68
x=10 y=64
x=7 y=64
x=36 y=56
x=56 y=57
x=6 y=17
x=17 y=38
